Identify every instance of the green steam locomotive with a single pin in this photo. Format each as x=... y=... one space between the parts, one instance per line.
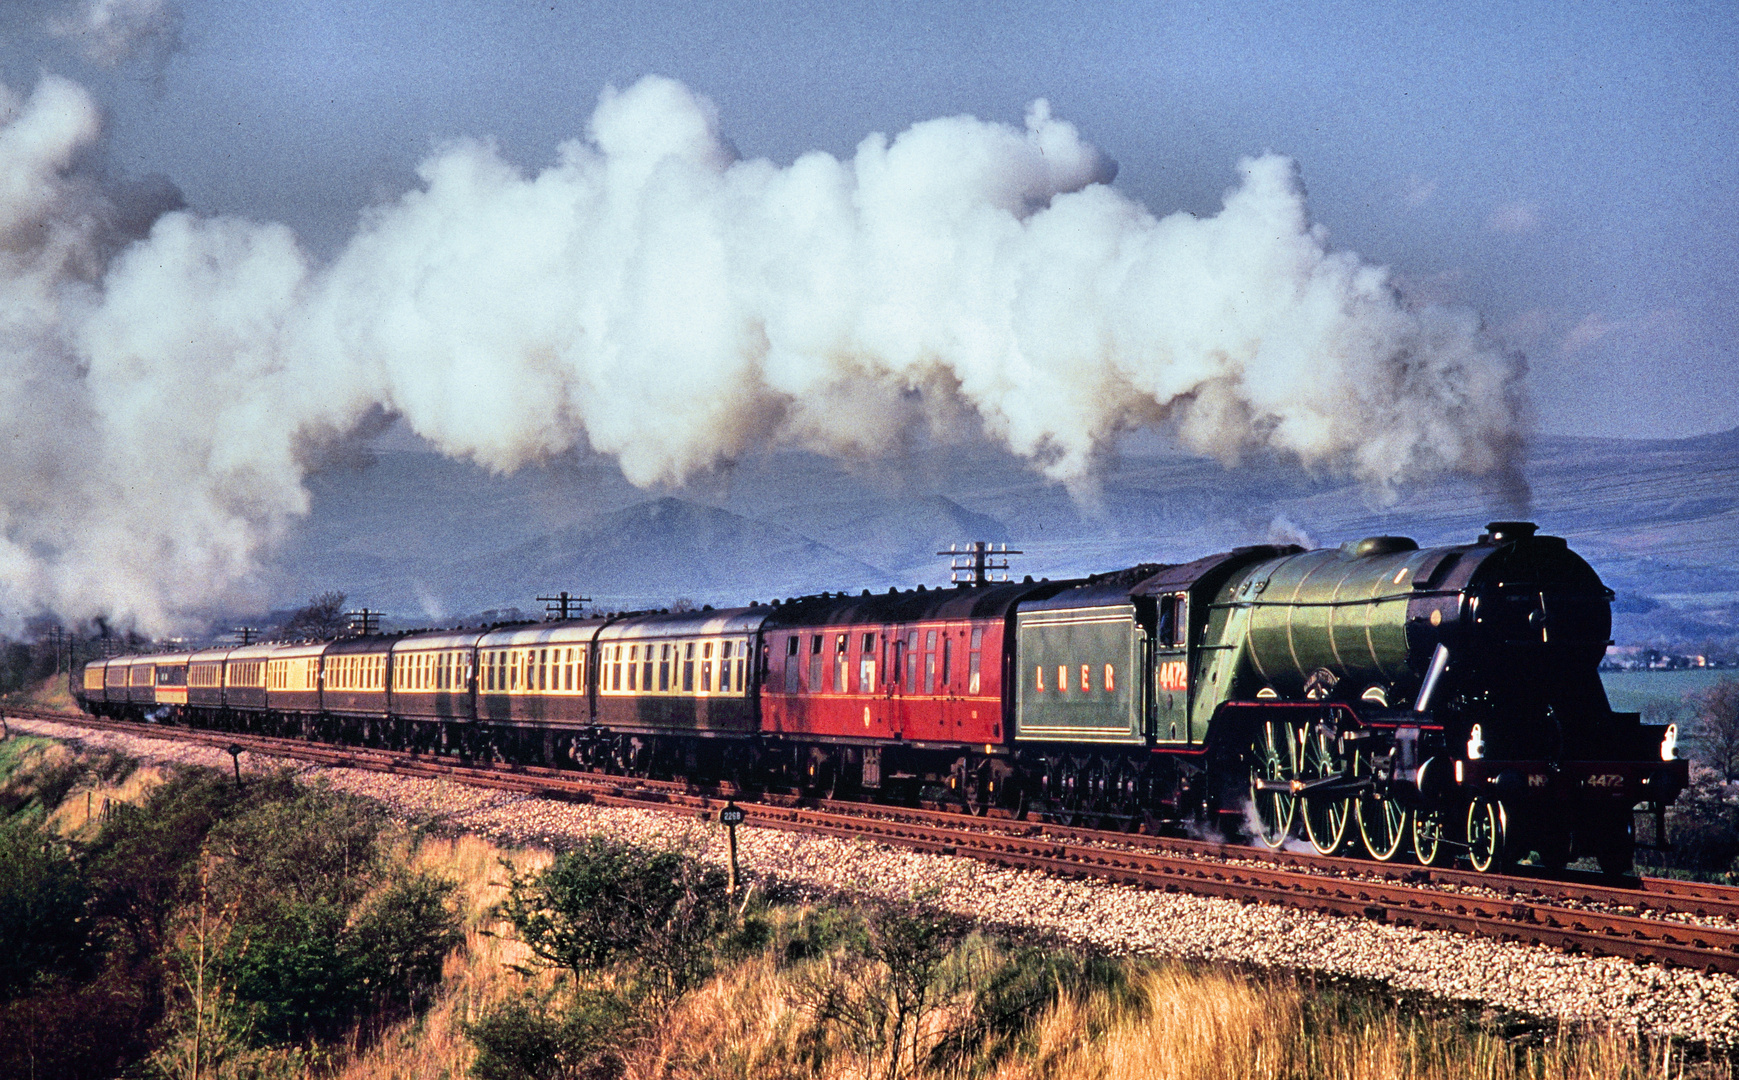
x=1432 y=702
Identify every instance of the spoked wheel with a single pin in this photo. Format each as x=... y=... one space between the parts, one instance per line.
x=1069 y=795
x=1384 y=824
x=1126 y=790
x=1428 y=845
x=1327 y=818
x=1487 y=839
x=1274 y=757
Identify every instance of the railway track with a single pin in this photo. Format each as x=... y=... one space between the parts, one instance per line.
x=1649 y=920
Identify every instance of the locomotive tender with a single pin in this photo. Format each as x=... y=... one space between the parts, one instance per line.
x=1407 y=702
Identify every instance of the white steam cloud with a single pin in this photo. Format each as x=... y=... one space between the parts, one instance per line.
x=654 y=297
x=107 y=32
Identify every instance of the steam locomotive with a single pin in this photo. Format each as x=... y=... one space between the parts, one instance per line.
x=1406 y=702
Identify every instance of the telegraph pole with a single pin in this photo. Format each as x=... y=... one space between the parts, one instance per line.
x=978 y=562
x=558 y=606
x=363 y=621
x=248 y=634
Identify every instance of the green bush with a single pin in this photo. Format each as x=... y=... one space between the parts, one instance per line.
x=606 y=903
x=1018 y=986
x=305 y=846
x=881 y=990
x=400 y=940
x=45 y=924
x=530 y=1038
x=145 y=861
x=325 y=934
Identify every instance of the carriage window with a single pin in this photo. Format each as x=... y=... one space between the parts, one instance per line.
x=543 y=669
x=616 y=668
x=742 y=659
x=947 y=659
x=688 y=668
x=972 y=662
x=725 y=667
x=842 y=663
x=866 y=666
x=791 y=664
x=912 y=662
x=634 y=667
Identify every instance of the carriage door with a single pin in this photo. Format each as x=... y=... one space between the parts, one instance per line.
x=900 y=675
x=1171 y=670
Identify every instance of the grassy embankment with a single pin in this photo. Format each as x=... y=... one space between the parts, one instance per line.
x=51 y=693
x=704 y=989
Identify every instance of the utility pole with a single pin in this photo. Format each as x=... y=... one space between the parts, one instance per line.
x=248 y=634
x=978 y=562
x=363 y=622
x=558 y=606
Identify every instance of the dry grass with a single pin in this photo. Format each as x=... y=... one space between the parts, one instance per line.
x=50 y=693
x=478 y=975
x=28 y=760
x=81 y=813
x=1215 y=1024
x=1185 y=1024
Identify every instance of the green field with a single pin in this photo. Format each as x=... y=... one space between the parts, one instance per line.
x=1635 y=691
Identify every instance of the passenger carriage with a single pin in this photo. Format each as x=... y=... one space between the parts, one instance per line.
x=902 y=690
x=205 y=688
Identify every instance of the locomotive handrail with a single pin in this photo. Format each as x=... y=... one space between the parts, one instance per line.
x=1227 y=605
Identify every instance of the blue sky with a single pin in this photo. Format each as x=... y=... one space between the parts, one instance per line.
x=1567 y=170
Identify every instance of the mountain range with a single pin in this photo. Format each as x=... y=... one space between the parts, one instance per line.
x=428 y=539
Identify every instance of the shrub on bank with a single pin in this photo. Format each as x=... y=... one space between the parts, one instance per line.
x=215 y=926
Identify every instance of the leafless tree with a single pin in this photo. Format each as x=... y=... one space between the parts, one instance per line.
x=1716 y=723
x=323 y=618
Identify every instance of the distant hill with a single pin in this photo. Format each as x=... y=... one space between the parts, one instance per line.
x=427 y=538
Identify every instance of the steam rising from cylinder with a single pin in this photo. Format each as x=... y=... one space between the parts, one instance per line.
x=654 y=297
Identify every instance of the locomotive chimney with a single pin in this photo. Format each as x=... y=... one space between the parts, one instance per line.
x=1502 y=532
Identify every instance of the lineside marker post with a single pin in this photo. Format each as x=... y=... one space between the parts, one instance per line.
x=732 y=816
